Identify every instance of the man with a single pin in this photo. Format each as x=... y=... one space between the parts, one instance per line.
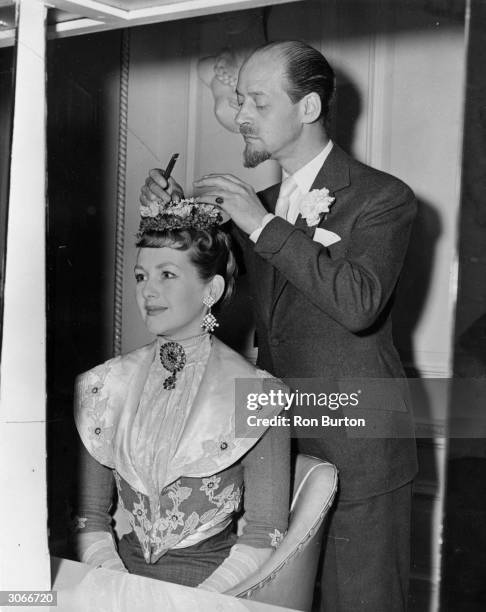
x=322 y=298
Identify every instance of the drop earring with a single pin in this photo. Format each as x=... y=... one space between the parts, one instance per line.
x=209 y=323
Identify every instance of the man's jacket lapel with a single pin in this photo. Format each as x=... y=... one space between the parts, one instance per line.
x=333 y=175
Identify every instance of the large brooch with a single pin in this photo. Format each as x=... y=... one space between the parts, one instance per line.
x=173 y=358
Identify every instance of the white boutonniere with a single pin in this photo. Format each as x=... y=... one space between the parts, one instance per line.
x=314 y=204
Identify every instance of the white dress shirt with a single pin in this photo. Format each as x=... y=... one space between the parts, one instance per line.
x=304 y=177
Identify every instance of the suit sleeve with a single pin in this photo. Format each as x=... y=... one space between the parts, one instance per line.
x=355 y=288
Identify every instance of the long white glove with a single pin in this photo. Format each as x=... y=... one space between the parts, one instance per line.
x=98 y=548
x=243 y=561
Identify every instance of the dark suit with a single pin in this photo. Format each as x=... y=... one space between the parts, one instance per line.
x=325 y=312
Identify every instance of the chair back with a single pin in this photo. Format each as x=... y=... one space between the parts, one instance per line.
x=287 y=577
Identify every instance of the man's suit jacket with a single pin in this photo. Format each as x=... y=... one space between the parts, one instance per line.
x=325 y=312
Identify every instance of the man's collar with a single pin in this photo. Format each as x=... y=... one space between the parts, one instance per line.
x=305 y=176
x=335 y=173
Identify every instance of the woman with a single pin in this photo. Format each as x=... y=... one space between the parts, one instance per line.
x=159 y=424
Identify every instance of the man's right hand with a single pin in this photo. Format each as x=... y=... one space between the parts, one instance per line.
x=157 y=187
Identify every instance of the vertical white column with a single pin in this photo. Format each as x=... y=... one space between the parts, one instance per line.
x=24 y=556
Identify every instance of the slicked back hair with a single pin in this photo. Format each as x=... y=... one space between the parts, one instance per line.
x=306 y=70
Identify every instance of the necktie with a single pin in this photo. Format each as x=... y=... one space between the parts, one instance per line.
x=287 y=187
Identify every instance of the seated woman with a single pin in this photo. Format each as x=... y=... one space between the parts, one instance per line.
x=159 y=424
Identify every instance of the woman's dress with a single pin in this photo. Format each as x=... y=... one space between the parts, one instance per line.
x=182 y=461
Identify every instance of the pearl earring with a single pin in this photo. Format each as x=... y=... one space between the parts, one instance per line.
x=209 y=323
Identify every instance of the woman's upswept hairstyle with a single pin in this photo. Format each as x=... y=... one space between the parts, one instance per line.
x=306 y=71
x=210 y=250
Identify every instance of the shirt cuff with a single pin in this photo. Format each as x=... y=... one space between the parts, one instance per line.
x=256 y=233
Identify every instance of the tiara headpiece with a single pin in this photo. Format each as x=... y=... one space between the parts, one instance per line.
x=185 y=214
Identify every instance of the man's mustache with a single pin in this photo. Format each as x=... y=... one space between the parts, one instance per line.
x=246 y=130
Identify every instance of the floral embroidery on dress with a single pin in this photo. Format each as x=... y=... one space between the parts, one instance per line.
x=97 y=381
x=78 y=523
x=276 y=538
x=174 y=518
x=99 y=431
x=117 y=478
x=229 y=499
x=177 y=493
x=159 y=529
x=140 y=512
x=223 y=446
x=210 y=485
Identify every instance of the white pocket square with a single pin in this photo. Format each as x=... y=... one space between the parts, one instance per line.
x=325 y=237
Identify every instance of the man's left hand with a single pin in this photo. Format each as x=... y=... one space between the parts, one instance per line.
x=236 y=198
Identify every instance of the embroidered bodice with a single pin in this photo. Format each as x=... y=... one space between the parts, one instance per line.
x=179 y=468
x=184 y=508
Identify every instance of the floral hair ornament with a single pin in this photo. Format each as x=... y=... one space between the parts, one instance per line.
x=181 y=215
x=315 y=204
